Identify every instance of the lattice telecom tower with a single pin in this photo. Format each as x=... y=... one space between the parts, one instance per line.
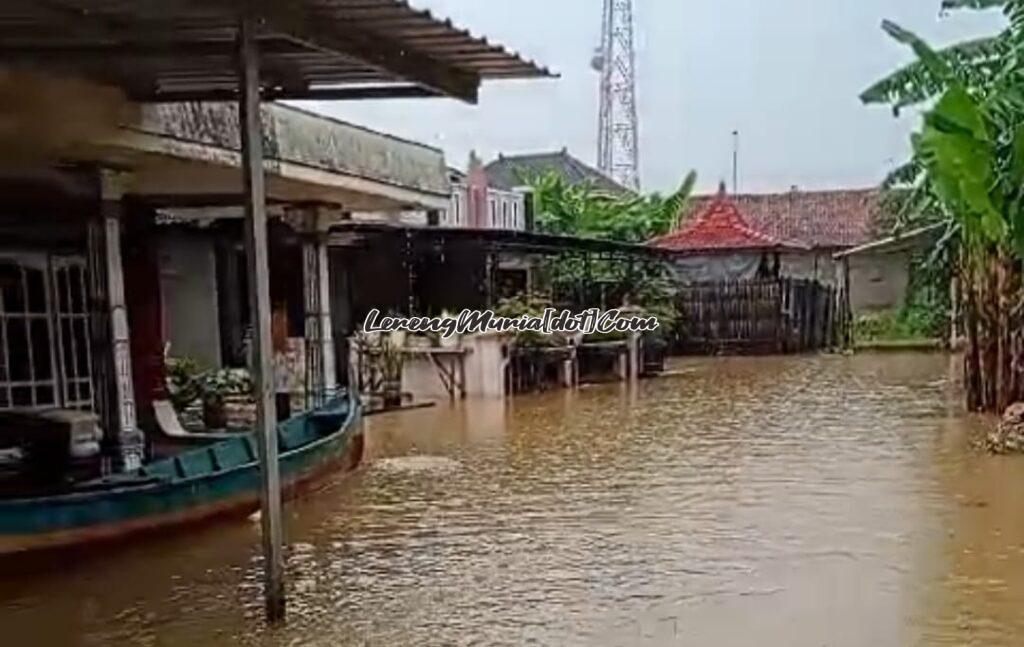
x=617 y=151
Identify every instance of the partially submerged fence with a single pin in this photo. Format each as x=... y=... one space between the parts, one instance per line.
x=758 y=316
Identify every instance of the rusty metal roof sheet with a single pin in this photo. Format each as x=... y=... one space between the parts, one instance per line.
x=174 y=50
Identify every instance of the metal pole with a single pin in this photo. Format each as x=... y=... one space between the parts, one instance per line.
x=735 y=162
x=259 y=299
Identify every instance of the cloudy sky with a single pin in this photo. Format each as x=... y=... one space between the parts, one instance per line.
x=786 y=73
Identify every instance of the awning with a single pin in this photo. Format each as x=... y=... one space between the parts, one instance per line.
x=356 y=233
x=177 y=50
x=911 y=239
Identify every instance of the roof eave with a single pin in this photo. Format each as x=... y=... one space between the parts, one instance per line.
x=175 y=50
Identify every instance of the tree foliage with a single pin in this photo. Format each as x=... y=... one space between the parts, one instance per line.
x=968 y=169
x=581 y=210
x=969 y=153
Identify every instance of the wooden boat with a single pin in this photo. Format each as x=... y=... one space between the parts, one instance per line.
x=217 y=479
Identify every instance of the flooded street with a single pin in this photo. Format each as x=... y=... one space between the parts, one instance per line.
x=774 y=501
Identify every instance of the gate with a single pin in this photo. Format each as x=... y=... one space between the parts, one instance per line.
x=757 y=317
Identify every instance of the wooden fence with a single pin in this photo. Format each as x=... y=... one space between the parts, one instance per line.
x=758 y=317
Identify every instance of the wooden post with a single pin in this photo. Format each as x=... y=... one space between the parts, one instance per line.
x=410 y=274
x=489 y=279
x=259 y=302
x=847 y=324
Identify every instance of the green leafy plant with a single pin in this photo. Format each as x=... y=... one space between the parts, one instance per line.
x=182 y=378
x=218 y=385
x=581 y=210
x=580 y=281
x=383 y=352
x=522 y=304
x=912 y=322
x=968 y=171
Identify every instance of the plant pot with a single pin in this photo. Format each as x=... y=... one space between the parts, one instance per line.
x=450 y=342
x=653 y=356
x=392 y=393
x=214 y=415
x=418 y=341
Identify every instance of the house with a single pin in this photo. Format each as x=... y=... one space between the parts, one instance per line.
x=819 y=228
x=118 y=238
x=742 y=289
x=472 y=203
x=719 y=244
x=876 y=273
x=159 y=237
x=497 y=195
x=484 y=205
x=510 y=172
x=824 y=222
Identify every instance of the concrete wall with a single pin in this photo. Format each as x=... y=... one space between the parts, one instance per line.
x=817 y=265
x=878 y=281
x=188 y=287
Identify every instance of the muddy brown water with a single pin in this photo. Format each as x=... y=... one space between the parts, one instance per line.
x=768 y=501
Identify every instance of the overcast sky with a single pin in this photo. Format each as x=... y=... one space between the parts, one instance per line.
x=786 y=73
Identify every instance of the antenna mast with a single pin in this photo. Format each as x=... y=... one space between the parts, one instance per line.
x=617 y=152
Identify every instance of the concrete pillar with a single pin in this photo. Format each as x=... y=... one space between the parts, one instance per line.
x=633 y=357
x=114 y=393
x=321 y=373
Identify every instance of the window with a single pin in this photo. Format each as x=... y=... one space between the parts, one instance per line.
x=44 y=333
x=71 y=314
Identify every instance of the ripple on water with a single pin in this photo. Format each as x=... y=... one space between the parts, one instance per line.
x=416 y=465
x=776 y=501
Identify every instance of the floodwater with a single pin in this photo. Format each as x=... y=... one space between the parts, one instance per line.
x=767 y=501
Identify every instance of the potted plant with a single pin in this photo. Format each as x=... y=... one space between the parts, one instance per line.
x=182 y=378
x=448 y=342
x=390 y=361
x=655 y=344
x=216 y=387
x=426 y=340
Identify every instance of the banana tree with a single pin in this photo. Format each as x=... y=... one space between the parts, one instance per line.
x=583 y=211
x=968 y=167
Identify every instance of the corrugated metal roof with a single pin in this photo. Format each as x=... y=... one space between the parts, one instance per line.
x=914 y=238
x=185 y=49
x=349 y=233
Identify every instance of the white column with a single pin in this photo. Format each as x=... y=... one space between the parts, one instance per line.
x=321 y=375
x=128 y=438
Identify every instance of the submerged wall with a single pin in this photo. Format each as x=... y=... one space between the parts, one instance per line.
x=879 y=280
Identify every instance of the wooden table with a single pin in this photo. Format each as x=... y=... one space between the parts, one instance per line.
x=450 y=364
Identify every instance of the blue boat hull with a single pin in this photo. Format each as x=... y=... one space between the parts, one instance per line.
x=217 y=480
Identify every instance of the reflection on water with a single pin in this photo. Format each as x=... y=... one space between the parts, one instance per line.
x=775 y=501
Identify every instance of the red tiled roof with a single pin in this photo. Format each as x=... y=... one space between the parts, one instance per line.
x=830 y=219
x=720 y=226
